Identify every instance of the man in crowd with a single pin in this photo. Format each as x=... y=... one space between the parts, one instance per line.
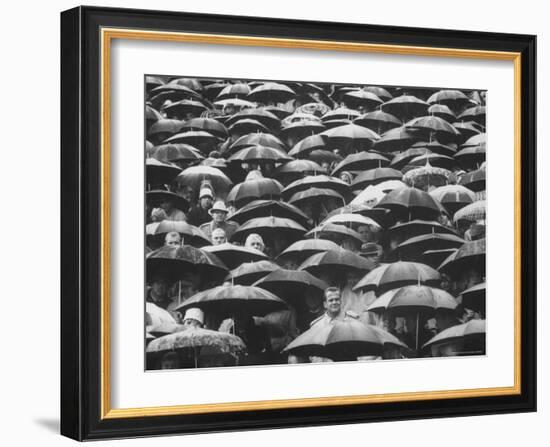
x=158 y=293
x=218 y=236
x=219 y=214
x=371 y=251
x=333 y=308
x=199 y=215
x=173 y=239
x=172 y=213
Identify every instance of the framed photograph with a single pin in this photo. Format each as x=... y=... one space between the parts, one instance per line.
x=271 y=223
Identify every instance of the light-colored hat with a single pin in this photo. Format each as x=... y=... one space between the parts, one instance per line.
x=218 y=206
x=194 y=313
x=206 y=192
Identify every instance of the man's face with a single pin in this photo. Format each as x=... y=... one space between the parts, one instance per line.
x=256 y=244
x=173 y=240
x=159 y=287
x=187 y=193
x=218 y=216
x=206 y=203
x=333 y=303
x=364 y=232
x=186 y=289
x=218 y=237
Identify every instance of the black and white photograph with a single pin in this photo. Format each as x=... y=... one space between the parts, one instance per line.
x=301 y=222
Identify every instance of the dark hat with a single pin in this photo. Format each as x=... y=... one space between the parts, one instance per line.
x=370 y=249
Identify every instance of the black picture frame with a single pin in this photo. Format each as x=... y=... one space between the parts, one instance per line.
x=81 y=224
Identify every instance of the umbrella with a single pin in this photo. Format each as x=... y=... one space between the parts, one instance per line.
x=219 y=163
x=191 y=234
x=453 y=197
x=476 y=114
x=307 y=145
x=454 y=99
x=151 y=116
x=398 y=274
x=267 y=208
x=473 y=212
x=342 y=340
x=433 y=124
x=246 y=126
x=234 y=300
x=314 y=195
x=442 y=111
x=301 y=250
x=419 y=227
x=474 y=298
x=340 y=113
x=302 y=129
x=292 y=285
x=235 y=103
x=211 y=91
x=173 y=153
x=316 y=181
x=259 y=154
x=370 y=196
x=436 y=147
x=248 y=273
x=476 y=140
x=199 y=138
x=405 y=106
x=471 y=157
x=434 y=258
x=159 y=173
x=426 y=176
x=174 y=263
x=194 y=176
x=182 y=108
x=234 y=255
x=435 y=160
x=375 y=176
x=397 y=139
x=334 y=260
x=156 y=198
x=350 y=136
x=296 y=169
x=361 y=98
x=472 y=334
x=270 y=228
x=334 y=232
x=412 y=248
x=378 y=121
x=354 y=220
x=271 y=92
x=471 y=255
x=153 y=81
x=163 y=128
x=412 y=203
x=249 y=190
x=268 y=119
x=467 y=130
x=191 y=83
x=209 y=125
x=382 y=93
x=322 y=156
x=149 y=149
x=257 y=138
x=403 y=158
x=238 y=90
x=474 y=180
x=361 y=161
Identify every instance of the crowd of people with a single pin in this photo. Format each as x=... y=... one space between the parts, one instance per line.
x=292 y=222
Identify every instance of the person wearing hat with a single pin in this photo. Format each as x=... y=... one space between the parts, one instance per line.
x=194 y=317
x=199 y=215
x=219 y=214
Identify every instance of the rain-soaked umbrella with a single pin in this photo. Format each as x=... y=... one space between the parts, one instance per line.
x=292 y=285
x=413 y=248
x=341 y=113
x=149 y=149
x=156 y=198
x=454 y=99
x=411 y=203
x=248 y=273
x=397 y=139
x=473 y=212
x=467 y=130
x=179 y=152
x=474 y=298
x=231 y=300
x=471 y=157
x=361 y=98
x=316 y=181
x=259 y=154
x=314 y=195
x=418 y=227
x=236 y=103
x=352 y=220
x=194 y=176
x=268 y=119
x=436 y=147
x=476 y=114
x=301 y=250
x=180 y=109
x=335 y=260
x=370 y=196
x=246 y=126
x=350 y=136
x=435 y=160
x=191 y=83
x=471 y=255
x=238 y=90
x=433 y=125
x=209 y=125
x=434 y=258
x=271 y=92
x=405 y=106
x=174 y=263
x=398 y=274
x=151 y=116
x=152 y=81
x=267 y=208
x=475 y=140
x=200 y=139
x=453 y=197
x=427 y=176
x=297 y=169
x=253 y=139
x=309 y=144
x=474 y=180
x=442 y=111
x=159 y=173
x=270 y=228
x=334 y=232
x=191 y=235
x=254 y=188
x=361 y=161
x=234 y=255
x=342 y=340
x=403 y=158
x=471 y=336
x=375 y=176
x=378 y=121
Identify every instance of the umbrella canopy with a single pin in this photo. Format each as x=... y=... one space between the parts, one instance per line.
x=194 y=176
x=301 y=250
x=340 y=113
x=174 y=263
x=434 y=258
x=163 y=128
x=433 y=124
x=245 y=126
x=415 y=298
x=249 y=190
x=307 y=145
x=254 y=139
x=476 y=114
x=180 y=109
x=473 y=212
x=405 y=106
x=361 y=98
x=350 y=136
x=397 y=139
x=403 y=158
x=234 y=255
x=474 y=180
x=259 y=154
x=196 y=338
x=412 y=248
x=156 y=198
x=470 y=255
x=316 y=181
x=179 y=152
x=156 y=317
x=334 y=232
x=436 y=147
x=267 y=208
x=436 y=160
x=352 y=220
x=427 y=176
x=335 y=260
x=454 y=99
x=453 y=197
x=269 y=228
x=474 y=298
x=191 y=235
x=471 y=157
x=378 y=121
x=419 y=227
x=235 y=300
x=297 y=169
x=375 y=176
x=248 y=273
x=342 y=340
x=209 y=125
x=411 y=203
x=264 y=117
x=467 y=129
x=398 y=274
x=236 y=103
x=159 y=173
x=361 y=161
x=442 y=111
x=472 y=333
x=238 y=90
x=271 y=92
x=475 y=140
x=314 y=195
x=200 y=139
x=292 y=285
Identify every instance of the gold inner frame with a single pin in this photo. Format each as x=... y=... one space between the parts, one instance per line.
x=107 y=35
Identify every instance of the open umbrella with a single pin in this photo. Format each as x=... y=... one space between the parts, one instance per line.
x=473 y=212
x=471 y=157
x=334 y=232
x=418 y=227
x=403 y=158
x=156 y=198
x=435 y=160
x=268 y=119
x=156 y=317
x=361 y=98
x=442 y=111
x=174 y=263
x=301 y=250
x=248 y=273
x=405 y=106
x=453 y=197
x=194 y=176
x=350 y=136
x=259 y=154
x=434 y=258
x=340 y=113
x=191 y=83
x=238 y=90
x=354 y=220
x=209 y=125
x=180 y=109
x=269 y=228
x=454 y=99
x=316 y=181
x=163 y=129
x=433 y=125
x=411 y=203
x=292 y=285
x=254 y=139
x=271 y=92
x=236 y=103
x=471 y=255
x=267 y=208
x=474 y=180
x=476 y=114
x=335 y=260
x=397 y=139
x=234 y=255
x=314 y=195
x=342 y=341
x=413 y=248
x=309 y=144
x=467 y=129
x=158 y=173
x=471 y=334
x=378 y=121
x=375 y=176
x=361 y=161
x=179 y=152
x=398 y=274
x=297 y=169
x=254 y=189
x=427 y=176
x=436 y=147
x=474 y=298
x=246 y=126
x=234 y=300
x=191 y=235
x=200 y=139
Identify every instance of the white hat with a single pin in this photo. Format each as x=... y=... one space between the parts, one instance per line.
x=194 y=313
x=219 y=206
x=205 y=192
